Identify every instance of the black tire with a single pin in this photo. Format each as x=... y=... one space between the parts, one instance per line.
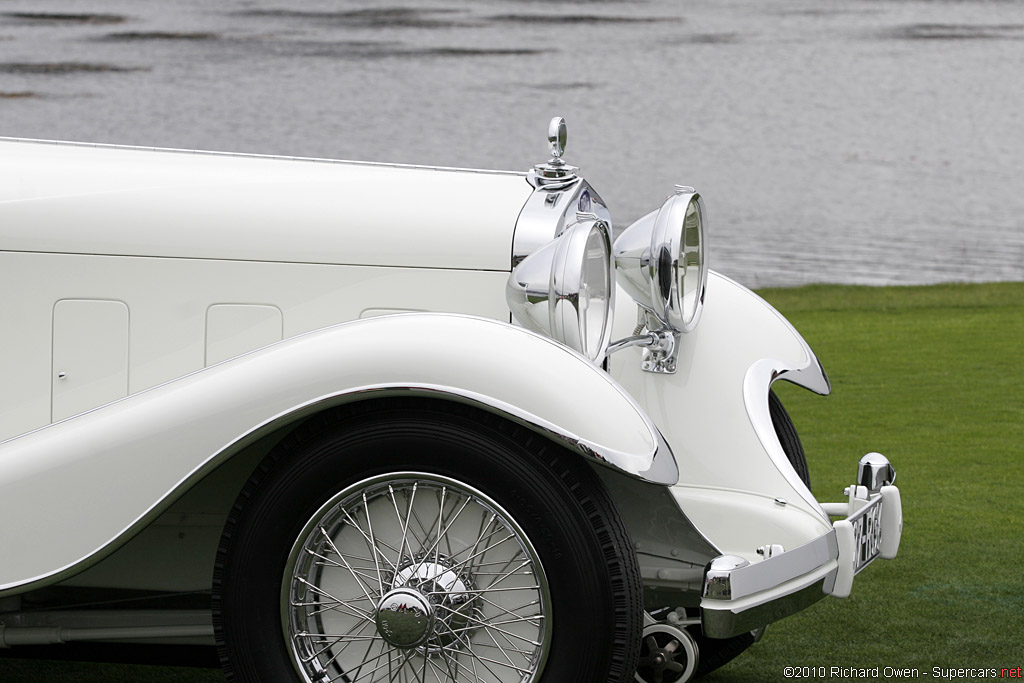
x=717 y=652
x=788 y=437
x=573 y=535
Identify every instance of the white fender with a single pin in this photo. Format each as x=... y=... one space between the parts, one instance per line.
x=714 y=413
x=70 y=491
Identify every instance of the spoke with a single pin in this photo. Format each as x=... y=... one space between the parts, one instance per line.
x=369 y=542
x=512 y=612
x=335 y=636
x=481 y=591
x=474 y=657
x=461 y=565
x=449 y=660
x=385 y=651
x=328 y=562
x=337 y=654
x=355 y=627
x=495 y=662
x=512 y=571
x=373 y=543
x=434 y=668
x=403 y=525
x=401 y=665
x=443 y=533
x=419 y=523
x=509 y=647
x=362 y=586
x=490 y=625
x=440 y=522
x=423 y=670
x=355 y=611
x=500 y=649
x=485 y=524
x=325 y=605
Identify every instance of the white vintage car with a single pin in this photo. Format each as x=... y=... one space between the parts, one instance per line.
x=365 y=422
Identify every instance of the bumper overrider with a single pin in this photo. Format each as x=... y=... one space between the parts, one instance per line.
x=739 y=596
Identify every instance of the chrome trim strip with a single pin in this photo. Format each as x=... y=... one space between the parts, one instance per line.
x=664 y=469
x=726 y=622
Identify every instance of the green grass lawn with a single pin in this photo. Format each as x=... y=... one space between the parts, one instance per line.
x=930 y=376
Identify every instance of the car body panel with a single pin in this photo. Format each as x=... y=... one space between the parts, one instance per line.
x=121 y=462
x=96 y=199
x=186 y=313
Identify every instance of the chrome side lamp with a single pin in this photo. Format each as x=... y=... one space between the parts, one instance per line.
x=662 y=264
x=566 y=289
x=874 y=472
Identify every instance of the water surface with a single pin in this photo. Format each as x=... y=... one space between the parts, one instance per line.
x=858 y=141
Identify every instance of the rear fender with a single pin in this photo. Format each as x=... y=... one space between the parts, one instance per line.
x=81 y=487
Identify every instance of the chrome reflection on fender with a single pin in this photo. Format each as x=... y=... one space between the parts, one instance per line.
x=662 y=263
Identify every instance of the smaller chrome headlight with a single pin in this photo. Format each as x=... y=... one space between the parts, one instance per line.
x=565 y=289
x=662 y=262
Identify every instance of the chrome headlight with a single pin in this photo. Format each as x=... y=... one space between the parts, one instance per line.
x=662 y=262
x=565 y=289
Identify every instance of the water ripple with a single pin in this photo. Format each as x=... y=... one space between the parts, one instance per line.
x=128 y=36
x=957 y=32
x=65 y=18
x=59 y=68
x=386 y=17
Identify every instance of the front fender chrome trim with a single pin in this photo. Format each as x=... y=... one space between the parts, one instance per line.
x=756 y=384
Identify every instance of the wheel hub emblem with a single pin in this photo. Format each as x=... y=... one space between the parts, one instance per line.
x=405 y=618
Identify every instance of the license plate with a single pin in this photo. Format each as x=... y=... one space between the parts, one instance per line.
x=867 y=534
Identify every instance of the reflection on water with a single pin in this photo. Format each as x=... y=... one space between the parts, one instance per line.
x=865 y=141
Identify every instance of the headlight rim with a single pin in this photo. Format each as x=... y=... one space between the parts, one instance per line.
x=569 y=327
x=559 y=267
x=668 y=238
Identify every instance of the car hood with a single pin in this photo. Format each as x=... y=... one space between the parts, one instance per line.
x=100 y=199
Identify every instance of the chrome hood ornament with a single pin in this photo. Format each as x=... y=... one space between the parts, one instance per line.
x=555 y=173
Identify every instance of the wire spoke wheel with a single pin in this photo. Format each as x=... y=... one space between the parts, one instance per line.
x=413 y=577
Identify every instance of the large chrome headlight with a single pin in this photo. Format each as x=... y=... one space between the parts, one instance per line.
x=565 y=290
x=662 y=262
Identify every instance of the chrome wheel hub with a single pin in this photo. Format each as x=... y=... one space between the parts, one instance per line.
x=452 y=592
x=405 y=618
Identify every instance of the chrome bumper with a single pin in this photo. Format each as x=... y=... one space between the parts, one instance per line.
x=739 y=596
